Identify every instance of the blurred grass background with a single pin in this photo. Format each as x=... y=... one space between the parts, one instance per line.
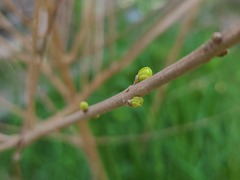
x=195 y=132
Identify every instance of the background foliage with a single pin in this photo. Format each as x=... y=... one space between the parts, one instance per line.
x=195 y=132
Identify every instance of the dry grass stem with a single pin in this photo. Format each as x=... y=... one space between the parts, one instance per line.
x=9 y=106
x=203 y=54
x=151 y=136
x=161 y=26
x=172 y=57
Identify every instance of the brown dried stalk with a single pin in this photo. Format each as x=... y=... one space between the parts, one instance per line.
x=40 y=33
x=99 y=34
x=15 y=10
x=46 y=100
x=64 y=69
x=167 y=132
x=57 y=82
x=112 y=36
x=64 y=20
x=9 y=129
x=89 y=26
x=172 y=57
x=7 y=25
x=112 y=31
x=89 y=146
x=150 y=136
x=11 y=107
x=215 y=46
x=3 y=137
x=83 y=33
x=161 y=26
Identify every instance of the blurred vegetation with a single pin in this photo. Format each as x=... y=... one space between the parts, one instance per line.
x=205 y=100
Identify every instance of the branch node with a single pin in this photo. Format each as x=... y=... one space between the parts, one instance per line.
x=217 y=37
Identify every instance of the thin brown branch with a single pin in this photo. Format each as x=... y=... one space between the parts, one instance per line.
x=172 y=57
x=7 y=25
x=112 y=31
x=32 y=81
x=213 y=47
x=3 y=137
x=64 y=68
x=90 y=147
x=44 y=18
x=150 y=136
x=89 y=144
x=9 y=106
x=46 y=100
x=57 y=82
x=40 y=33
x=17 y=167
x=81 y=35
x=87 y=42
x=167 y=132
x=109 y=42
x=99 y=34
x=161 y=26
x=15 y=10
x=10 y=129
x=64 y=20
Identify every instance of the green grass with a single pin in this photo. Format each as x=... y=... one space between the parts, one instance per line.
x=211 y=151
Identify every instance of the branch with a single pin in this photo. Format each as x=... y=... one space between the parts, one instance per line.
x=11 y=107
x=158 y=28
x=172 y=57
x=56 y=81
x=3 y=137
x=99 y=35
x=192 y=125
x=215 y=46
x=17 y=12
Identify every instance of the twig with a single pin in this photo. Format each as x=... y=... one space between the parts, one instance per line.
x=3 y=137
x=86 y=16
x=150 y=136
x=167 y=132
x=11 y=107
x=60 y=86
x=11 y=6
x=40 y=34
x=99 y=34
x=90 y=147
x=89 y=144
x=173 y=55
x=134 y=51
x=167 y=11
x=5 y=23
x=217 y=44
x=39 y=38
x=7 y=128
x=32 y=81
x=61 y=65
x=111 y=8
x=47 y=101
x=64 y=20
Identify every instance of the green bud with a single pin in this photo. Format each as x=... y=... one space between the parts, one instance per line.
x=136 y=102
x=84 y=106
x=143 y=74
